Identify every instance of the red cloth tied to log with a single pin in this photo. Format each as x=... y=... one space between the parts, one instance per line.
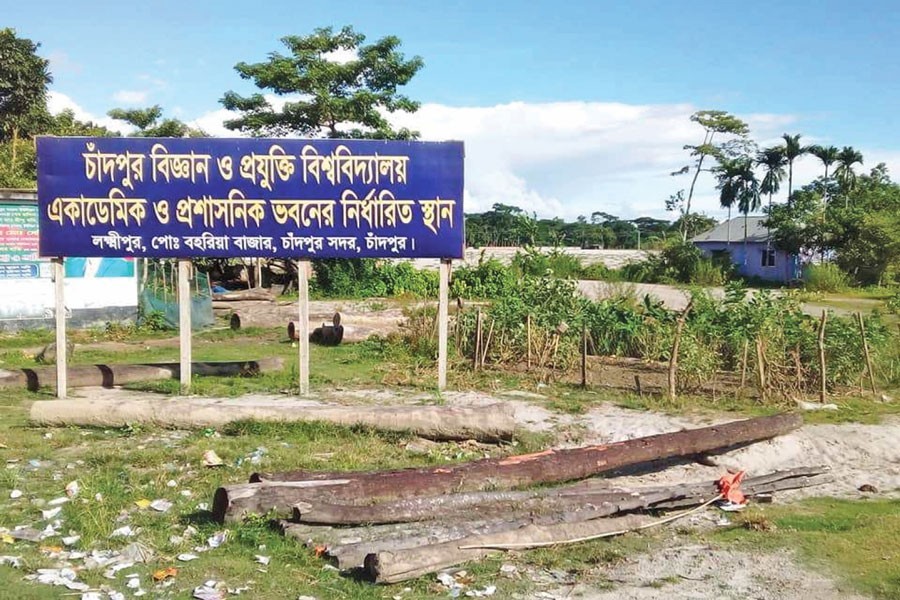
x=730 y=487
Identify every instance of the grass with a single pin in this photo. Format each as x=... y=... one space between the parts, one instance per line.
x=856 y=540
x=131 y=464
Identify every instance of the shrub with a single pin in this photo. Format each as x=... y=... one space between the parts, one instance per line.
x=488 y=279
x=534 y=263
x=826 y=277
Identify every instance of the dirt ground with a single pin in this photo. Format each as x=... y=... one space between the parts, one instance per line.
x=856 y=454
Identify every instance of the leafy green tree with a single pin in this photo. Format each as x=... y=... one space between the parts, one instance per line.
x=65 y=123
x=844 y=173
x=24 y=77
x=713 y=122
x=149 y=123
x=340 y=99
x=793 y=150
x=827 y=155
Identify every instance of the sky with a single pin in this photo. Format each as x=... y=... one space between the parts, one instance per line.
x=566 y=107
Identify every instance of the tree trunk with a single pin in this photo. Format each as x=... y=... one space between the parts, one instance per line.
x=112 y=375
x=403 y=565
x=597 y=496
x=349 y=546
x=549 y=466
x=484 y=423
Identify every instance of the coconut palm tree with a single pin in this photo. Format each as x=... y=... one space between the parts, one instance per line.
x=738 y=185
x=844 y=173
x=792 y=151
x=827 y=154
x=773 y=161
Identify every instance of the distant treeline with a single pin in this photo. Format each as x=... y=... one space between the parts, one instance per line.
x=506 y=225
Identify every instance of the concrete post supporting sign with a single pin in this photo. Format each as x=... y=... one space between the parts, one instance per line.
x=303 y=339
x=443 y=322
x=59 y=280
x=184 y=321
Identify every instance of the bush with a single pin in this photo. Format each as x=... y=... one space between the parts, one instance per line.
x=826 y=277
x=534 y=263
x=488 y=279
x=678 y=262
x=366 y=278
x=893 y=303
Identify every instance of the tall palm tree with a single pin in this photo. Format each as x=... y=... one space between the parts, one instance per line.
x=844 y=173
x=738 y=185
x=827 y=154
x=792 y=151
x=773 y=160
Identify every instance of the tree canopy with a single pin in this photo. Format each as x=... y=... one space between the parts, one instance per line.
x=325 y=95
x=149 y=123
x=24 y=77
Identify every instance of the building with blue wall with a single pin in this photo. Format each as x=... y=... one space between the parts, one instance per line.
x=753 y=254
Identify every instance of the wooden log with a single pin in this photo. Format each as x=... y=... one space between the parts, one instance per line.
x=119 y=374
x=261 y=294
x=348 y=546
x=598 y=496
x=486 y=423
x=402 y=565
x=549 y=466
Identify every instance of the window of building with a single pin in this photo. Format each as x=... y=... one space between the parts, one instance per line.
x=768 y=257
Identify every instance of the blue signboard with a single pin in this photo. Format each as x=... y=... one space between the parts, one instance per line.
x=213 y=197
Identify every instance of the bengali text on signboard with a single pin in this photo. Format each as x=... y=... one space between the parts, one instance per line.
x=211 y=197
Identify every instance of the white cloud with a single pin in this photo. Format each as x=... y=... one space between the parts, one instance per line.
x=58 y=102
x=570 y=158
x=340 y=56
x=130 y=96
x=60 y=62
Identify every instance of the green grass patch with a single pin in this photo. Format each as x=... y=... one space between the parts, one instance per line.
x=855 y=540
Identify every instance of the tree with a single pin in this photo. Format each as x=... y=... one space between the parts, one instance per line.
x=148 y=123
x=24 y=77
x=826 y=154
x=792 y=151
x=738 y=186
x=844 y=173
x=338 y=99
x=773 y=161
x=713 y=122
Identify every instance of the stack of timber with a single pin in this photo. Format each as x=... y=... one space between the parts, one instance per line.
x=401 y=524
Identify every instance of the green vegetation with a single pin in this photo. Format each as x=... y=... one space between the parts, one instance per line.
x=855 y=539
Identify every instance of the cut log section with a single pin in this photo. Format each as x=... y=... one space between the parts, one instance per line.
x=117 y=374
x=549 y=466
x=348 y=546
x=402 y=565
x=395 y=564
x=489 y=423
x=599 y=498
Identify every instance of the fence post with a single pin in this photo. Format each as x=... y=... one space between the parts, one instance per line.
x=821 y=343
x=865 y=345
x=673 y=359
